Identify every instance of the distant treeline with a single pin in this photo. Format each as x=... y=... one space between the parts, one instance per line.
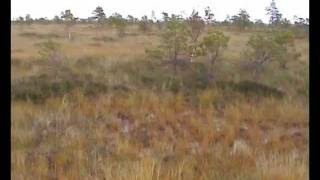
x=241 y=19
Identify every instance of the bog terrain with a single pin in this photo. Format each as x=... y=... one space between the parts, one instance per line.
x=102 y=103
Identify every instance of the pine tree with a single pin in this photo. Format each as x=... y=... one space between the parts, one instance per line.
x=69 y=20
x=196 y=25
x=273 y=12
x=99 y=15
x=241 y=19
x=28 y=19
x=208 y=15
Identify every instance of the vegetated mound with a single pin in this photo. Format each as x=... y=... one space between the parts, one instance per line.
x=103 y=39
x=92 y=76
x=39 y=36
x=38 y=88
x=190 y=78
x=251 y=88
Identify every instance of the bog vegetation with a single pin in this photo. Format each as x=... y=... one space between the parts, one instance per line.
x=172 y=98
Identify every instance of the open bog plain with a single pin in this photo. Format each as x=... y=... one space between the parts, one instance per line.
x=89 y=102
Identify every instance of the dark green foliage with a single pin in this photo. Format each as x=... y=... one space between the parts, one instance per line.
x=241 y=19
x=96 y=44
x=250 y=88
x=144 y=24
x=94 y=63
x=195 y=76
x=27 y=63
x=48 y=48
x=212 y=46
x=38 y=88
x=266 y=47
x=154 y=54
x=104 y=39
x=119 y=23
x=99 y=15
x=196 y=25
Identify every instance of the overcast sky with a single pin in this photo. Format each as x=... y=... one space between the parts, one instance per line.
x=138 y=8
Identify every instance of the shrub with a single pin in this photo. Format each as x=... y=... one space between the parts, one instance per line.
x=40 y=36
x=119 y=23
x=250 y=88
x=174 y=44
x=39 y=88
x=266 y=47
x=104 y=39
x=212 y=45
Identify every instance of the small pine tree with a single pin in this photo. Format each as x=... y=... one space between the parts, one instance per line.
x=144 y=24
x=99 y=15
x=119 y=23
x=174 y=43
x=266 y=47
x=165 y=16
x=208 y=15
x=130 y=19
x=196 y=25
x=68 y=18
x=57 y=19
x=212 y=45
x=20 y=21
x=28 y=19
x=241 y=19
x=273 y=12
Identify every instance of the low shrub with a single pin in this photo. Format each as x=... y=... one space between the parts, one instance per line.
x=103 y=39
x=39 y=36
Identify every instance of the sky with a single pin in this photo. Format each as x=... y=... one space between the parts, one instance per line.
x=138 y=8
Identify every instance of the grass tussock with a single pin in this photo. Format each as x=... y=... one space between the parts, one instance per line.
x=144 y=129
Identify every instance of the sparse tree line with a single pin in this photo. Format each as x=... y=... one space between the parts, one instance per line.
x=183 y=39
x=241 y=19
x=181 y=43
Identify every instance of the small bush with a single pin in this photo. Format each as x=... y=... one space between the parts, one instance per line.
x=38 y=88
x=95 y=44
x=250 y=88
x=154 y=54
x=39 y=36
x=104 y=39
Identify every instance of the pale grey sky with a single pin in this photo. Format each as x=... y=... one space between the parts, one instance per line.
x=138 y=8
